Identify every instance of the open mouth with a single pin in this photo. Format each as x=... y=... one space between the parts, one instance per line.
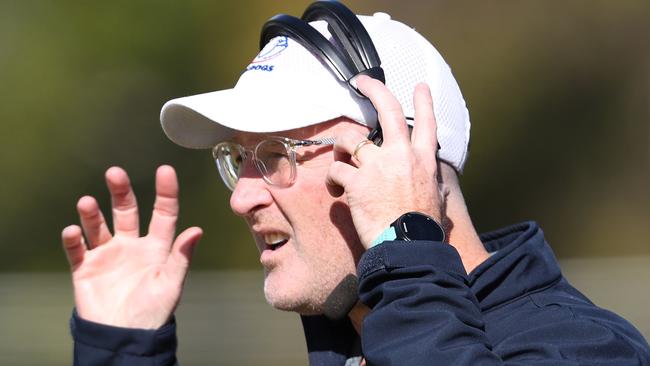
x=275 y=240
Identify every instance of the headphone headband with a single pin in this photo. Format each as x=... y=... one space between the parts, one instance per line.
x=358 y=55
x=347 y=30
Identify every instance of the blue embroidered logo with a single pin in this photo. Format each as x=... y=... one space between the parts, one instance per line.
x=272 y=50
x=260 y=67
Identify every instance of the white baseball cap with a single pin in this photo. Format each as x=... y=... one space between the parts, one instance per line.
x=286 y=87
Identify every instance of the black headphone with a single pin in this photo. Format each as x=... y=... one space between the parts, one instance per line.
x=358 y=55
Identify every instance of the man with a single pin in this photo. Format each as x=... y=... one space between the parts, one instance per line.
x=349 y=232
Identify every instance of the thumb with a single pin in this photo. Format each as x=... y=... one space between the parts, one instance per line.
x=182 y=250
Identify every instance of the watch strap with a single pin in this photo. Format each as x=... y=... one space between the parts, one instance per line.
x=388 y=234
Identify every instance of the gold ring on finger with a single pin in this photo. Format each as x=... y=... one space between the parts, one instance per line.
x=359 y=146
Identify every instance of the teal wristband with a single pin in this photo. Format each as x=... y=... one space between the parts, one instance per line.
x=388 y=234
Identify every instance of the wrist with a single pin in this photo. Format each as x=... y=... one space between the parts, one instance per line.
x=133 y=320
x=409 y=227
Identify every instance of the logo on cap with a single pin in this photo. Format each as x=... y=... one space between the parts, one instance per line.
x=272 y=49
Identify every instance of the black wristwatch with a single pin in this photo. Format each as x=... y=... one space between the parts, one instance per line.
x=412 y=226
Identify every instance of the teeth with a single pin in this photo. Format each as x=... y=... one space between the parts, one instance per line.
x=274 y=239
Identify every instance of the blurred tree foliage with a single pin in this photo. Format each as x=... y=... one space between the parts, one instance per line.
x=557 y=92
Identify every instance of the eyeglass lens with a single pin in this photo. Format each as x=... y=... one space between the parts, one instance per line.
x=272 y=161
x=229 y=159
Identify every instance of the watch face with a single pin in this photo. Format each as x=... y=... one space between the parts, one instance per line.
x=416 y=226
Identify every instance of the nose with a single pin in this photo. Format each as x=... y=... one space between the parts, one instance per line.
x=251 y=192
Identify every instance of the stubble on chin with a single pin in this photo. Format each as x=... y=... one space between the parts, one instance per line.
x=280 y=299
x=334 y=298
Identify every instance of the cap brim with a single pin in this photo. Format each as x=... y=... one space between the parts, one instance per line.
x=204 y=120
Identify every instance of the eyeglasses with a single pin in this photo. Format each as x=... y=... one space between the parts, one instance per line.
x=274 y=158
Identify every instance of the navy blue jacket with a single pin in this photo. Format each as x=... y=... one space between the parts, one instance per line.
x=516 y=308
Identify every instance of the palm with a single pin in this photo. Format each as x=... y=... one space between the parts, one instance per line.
x=128 y=277
x=126 y=280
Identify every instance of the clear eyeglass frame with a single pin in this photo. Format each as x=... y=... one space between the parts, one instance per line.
x=274 y=158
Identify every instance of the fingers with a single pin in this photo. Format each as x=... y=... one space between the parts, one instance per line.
x=392 y=118
x=388 y=108
x=340 y=174
x=125 y=207
x=424 y=132
x=73 y=244
x=354 y=144
x=165 y=209
x=92 y=221
x=182 y=250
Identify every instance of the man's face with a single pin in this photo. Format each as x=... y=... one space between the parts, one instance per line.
x=316 y=267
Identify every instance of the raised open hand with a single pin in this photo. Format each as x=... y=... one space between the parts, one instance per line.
x=123 y=279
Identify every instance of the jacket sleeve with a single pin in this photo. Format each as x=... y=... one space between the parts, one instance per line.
x=424 y=313
x=102 y=345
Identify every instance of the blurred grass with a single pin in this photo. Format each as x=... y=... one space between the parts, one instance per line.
x=558 y=94
x=223 y=319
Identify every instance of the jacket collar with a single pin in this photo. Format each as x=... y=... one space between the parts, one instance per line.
x=523 y=263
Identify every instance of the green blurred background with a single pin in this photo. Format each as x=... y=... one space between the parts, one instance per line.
x=557 y=91
x=558 y=94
